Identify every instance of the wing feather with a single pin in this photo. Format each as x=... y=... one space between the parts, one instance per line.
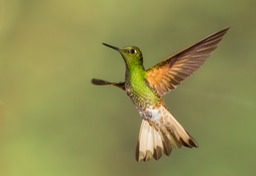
x=169 y=73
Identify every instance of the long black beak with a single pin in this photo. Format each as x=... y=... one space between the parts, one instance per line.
x=110 y=46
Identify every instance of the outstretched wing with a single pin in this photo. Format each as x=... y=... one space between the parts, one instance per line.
x=166 y=75
x=100 y=82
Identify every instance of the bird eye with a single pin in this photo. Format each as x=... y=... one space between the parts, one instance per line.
x=132 y=51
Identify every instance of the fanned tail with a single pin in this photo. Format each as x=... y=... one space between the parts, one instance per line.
x=160 y=135
x=149 y=143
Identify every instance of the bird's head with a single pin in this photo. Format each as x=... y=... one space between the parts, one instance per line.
x=131 y=54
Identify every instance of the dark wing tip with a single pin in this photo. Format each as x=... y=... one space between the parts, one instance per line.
x=99 y=82
x=224 y=30
x=221 y=33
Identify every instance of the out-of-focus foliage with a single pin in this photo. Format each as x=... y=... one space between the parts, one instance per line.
x=54 y=122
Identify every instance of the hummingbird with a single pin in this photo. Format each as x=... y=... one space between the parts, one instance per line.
x=160 y=132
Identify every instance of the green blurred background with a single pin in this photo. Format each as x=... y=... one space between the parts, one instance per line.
x=54 y=122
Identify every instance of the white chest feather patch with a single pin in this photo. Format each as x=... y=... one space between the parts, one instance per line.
x=155 y=113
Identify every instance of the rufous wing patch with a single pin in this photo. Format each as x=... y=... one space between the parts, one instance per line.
x=169 y=73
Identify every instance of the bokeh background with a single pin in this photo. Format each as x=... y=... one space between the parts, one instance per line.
x=54 y=122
